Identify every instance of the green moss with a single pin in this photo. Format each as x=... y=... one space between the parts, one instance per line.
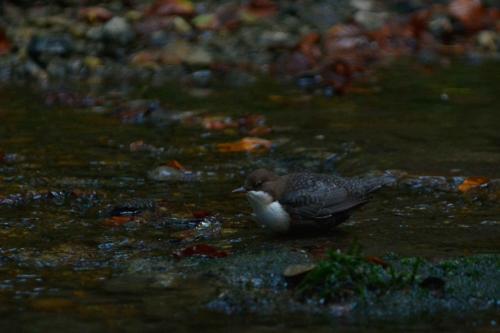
x=343 y=275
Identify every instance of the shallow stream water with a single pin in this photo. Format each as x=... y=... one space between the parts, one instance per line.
x=61 y=263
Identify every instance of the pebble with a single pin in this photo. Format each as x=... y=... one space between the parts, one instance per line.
x=118 y=30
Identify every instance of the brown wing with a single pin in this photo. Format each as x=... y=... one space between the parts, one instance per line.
x=317 y=197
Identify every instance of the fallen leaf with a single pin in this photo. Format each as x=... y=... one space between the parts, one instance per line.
x=116 y=221
x=201 y=250
x=176 y=165
x=217 y=123
x=137 y=146
x=52 y=304
x=5 y=44
x=472 y=182
x=200 y=214
x=260 y=131
x=95 y=14
x=248 y=144
x=377 y=261
x=469 y=12
x=172 y=8
x=257 y=9
x=309 y=46
x=145 y=59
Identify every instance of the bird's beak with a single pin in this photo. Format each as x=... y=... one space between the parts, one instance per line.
x=239 y=190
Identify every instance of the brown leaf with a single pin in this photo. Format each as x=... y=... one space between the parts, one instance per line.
x=172 y=8
x=377 y=261
x=200 y=214
x=472 y=182
x=248 y=144
x=309 y=46
x=117 y=221
x=52 y=304
x=5 y=44
x=217 y=123
x=260 y=131
x=260 y=9
x=95 y=14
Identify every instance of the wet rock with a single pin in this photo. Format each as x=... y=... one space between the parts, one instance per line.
x=43 y=48
x=202 y=78
x=488 y=40
x=118 y=30
x=181 y=25
x=277 y=39
x=434 y=284
x=294 y=274
x=198 y=56
x=428 y=183
x=131 y=208
x=371 y=20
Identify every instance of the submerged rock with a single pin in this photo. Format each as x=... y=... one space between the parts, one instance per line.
x=168 y=174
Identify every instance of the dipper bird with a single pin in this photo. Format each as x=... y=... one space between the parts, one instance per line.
x=283 y=203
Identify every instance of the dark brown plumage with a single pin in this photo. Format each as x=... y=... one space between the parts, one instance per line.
x=312 y=198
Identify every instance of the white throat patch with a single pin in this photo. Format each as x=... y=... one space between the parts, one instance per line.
x=268 y=212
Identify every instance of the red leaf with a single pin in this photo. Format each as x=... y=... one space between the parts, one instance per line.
x=176 y=165
x=116 y=221
x=377 y=261
x=248 y=144
x=199 y=214
x=5 y=44
x=201 y=250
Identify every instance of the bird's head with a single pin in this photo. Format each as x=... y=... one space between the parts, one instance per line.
x=256 y=180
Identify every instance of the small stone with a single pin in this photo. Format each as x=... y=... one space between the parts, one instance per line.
x=118 y=29
x=370 y=20
x=181 y=25
x=198 y=57
x=276 y=39
x=296 y=270
x=202 y=78
x=488 y=40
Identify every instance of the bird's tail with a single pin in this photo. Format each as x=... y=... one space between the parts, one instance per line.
x=372 y=184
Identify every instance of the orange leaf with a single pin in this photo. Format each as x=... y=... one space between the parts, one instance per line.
x=259 y=131
x=248 y=144
x=116 y=221
x=471 y=183
x=176 y=165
